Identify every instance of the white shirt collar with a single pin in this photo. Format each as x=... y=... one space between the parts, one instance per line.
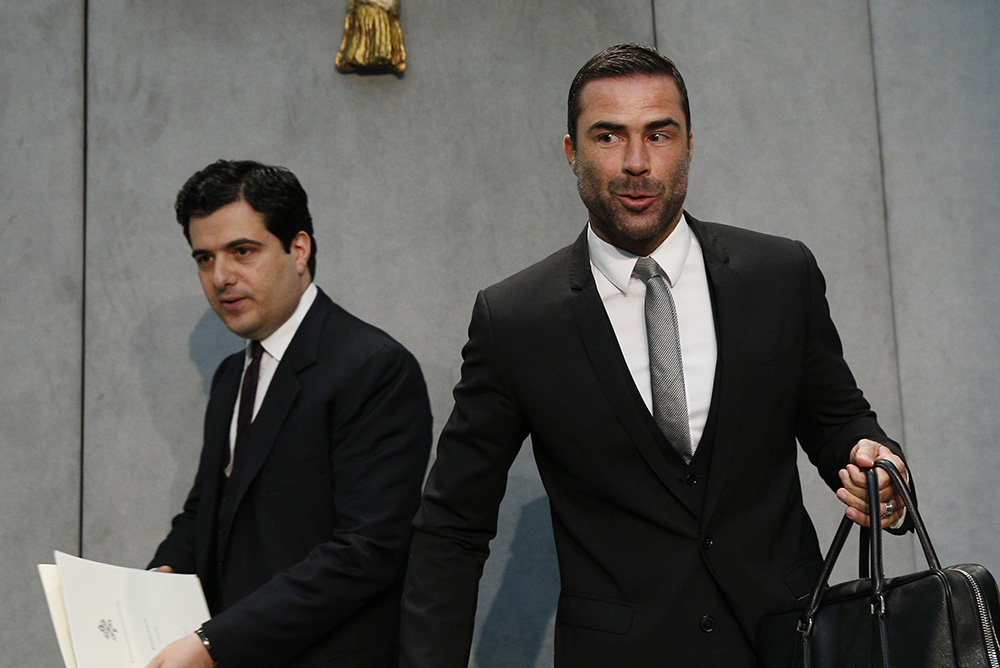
x=277 y=343
x=617 y=265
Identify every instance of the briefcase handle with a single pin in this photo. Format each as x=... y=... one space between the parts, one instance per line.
x=873 y=552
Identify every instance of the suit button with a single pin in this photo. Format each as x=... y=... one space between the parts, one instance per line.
x=707 y=624
x=691 y=480
x=707 y=542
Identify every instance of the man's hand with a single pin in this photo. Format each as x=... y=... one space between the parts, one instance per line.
x=188 y=652
x=162 y=569
x=854 y=491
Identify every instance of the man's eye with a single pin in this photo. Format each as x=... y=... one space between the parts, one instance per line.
x=202 y=260
x=243 y=251
x=605 y=138
x=657 y=137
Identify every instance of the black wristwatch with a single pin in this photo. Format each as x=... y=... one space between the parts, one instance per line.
x=200 y=632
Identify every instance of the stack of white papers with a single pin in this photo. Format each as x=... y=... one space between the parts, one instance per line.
x=113 y=617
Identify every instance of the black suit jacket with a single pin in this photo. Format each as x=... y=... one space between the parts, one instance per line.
x=651 y=573
x=301 y=553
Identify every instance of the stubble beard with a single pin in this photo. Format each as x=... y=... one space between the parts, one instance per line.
x=625 y=229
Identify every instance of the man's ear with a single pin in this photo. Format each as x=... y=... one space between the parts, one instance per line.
x=301 y=248
x=570 y=151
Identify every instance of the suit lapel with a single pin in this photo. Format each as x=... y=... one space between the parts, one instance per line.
x=606 y=357
x=730 y=313
x=281 y=395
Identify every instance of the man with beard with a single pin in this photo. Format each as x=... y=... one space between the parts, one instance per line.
x=664 y=369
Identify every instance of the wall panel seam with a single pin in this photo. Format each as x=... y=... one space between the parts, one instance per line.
x=885 y=219
x=83 y=268
x=652 y=12
x=888 y=243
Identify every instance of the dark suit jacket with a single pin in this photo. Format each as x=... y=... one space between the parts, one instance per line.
x=652 y=574
x=302 y=553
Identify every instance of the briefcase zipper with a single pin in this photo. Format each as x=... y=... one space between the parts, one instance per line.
x=989 y=633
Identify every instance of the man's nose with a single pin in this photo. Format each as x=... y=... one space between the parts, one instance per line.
x=636 y=160
x=222 y=274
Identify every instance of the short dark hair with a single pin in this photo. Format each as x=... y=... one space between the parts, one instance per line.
x=271 y=191
x=623 y=60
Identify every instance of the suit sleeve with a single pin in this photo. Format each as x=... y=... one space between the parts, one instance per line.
x=833 y=414
x=458 y=514
x=381 y=431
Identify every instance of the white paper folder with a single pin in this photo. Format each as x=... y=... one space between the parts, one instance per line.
x=114 y=617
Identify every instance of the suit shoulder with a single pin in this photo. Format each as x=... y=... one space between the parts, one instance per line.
x=538 y=295
x=741 y=237
x=747 y=249
x=550 y=273
x=353 y=337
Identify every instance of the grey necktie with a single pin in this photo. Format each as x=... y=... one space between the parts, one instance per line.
x=666 y=373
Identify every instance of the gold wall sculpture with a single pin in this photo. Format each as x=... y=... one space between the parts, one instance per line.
x=373 y=38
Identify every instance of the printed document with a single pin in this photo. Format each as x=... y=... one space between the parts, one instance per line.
x=114 y=617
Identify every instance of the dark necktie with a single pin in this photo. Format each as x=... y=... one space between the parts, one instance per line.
x=666 y=372
x=248 y=393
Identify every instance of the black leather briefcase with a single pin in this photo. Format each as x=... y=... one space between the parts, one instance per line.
x=937 y=618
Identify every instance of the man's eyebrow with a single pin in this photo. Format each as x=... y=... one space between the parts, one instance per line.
x=606 y=125
x=235 y=243
x=618 y=127
x=663 y=123
x=243 y=241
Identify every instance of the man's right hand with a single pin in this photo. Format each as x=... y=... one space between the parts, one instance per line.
x=163 y=569
x=188 y=652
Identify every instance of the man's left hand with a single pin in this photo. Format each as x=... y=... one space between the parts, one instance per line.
x=854 y=491
x=188 y=652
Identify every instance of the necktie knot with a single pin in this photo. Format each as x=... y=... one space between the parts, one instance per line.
x=646 y=268
x=256 y=352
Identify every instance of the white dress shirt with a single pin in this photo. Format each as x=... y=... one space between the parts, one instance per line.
x=680 y=258
x=274 y=347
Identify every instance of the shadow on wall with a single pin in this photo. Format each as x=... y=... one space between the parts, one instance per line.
x=168 y=385
x=514 y=632
x=210 y=343
x=174 y=395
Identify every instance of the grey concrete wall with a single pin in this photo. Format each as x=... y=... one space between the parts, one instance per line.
x=815 y=121
x=41 y=249
x=938 y=74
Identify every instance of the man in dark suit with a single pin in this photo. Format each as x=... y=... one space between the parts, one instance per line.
x=678 y=519
x=316 y=441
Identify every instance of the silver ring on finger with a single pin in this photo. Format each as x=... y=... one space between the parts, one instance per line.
x=889 y=509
